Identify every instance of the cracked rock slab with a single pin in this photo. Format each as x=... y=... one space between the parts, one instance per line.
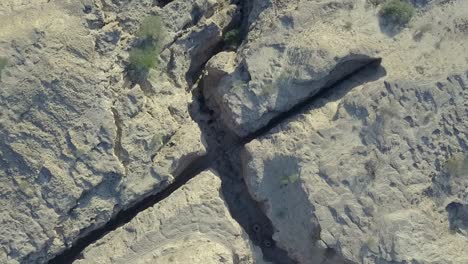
x=376 y=173
x=283 y=61
x=357 y=174
x=193 y=225
x=294 y=49
x=79 y=142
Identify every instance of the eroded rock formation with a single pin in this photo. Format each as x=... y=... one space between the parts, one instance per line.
x=79 y=142
x=371 y=170
x=194 y=226
x=353 y=135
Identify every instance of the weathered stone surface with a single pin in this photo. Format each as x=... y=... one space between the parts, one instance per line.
x=283 y=61
x=296 y=48
x=78 y=141
x=377 y=173
x=192 y=226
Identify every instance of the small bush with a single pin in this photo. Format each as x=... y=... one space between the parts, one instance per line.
x=151 y=28
x=233 y=38
x=286 y=180
x=145 y=55
x=144 y=58
x=397 y=12
x=3 y=64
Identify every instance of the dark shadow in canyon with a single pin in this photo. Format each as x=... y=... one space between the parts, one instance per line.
x=227 y=146
x=223 y=155
x=165 y=190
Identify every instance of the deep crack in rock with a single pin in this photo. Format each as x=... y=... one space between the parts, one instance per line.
x=221 y=152
x=118 y=149
x=281 y=150
x=124 y=216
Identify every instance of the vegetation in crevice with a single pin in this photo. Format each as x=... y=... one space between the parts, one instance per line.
x=232 y=39
x=144 y=55
x=289 y=179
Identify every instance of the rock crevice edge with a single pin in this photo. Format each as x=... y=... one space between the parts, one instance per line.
x=215 y=156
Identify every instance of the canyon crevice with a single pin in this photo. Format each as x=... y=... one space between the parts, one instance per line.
x=264 y=131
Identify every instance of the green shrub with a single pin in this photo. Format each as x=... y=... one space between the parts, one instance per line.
x=145 y=55
x=151 y=28
x=397 y=12
x=144 y=58
x=3 y=64
x=233 y=38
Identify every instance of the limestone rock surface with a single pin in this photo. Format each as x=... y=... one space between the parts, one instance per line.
x=374 y=171
x=192 y=226
x=379 y=175
x=79 y=141
x=376 y=168
x=294 y=49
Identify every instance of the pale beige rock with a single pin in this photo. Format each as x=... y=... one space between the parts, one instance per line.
x=78 y=142
x=377 y=172
x=193 y=225
x=296 y=48
x=218 y=67
x=367 y=174
x=283 y=61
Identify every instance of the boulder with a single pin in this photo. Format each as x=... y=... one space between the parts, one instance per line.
x=295 y=49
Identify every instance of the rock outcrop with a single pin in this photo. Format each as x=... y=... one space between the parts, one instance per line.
x=368 y=174
x=79 y=141
x=276 y=69
x=355 y=132
x=295 y=49
x=193 y=226
x=375 y=169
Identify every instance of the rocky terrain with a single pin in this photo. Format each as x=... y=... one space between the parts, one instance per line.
x=375 y=176
x=195 y=214
x=265 y=131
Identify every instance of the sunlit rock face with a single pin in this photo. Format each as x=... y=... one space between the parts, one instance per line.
x=377 y=173
x=79 y=141
x=372 y=169
x=192 y=226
